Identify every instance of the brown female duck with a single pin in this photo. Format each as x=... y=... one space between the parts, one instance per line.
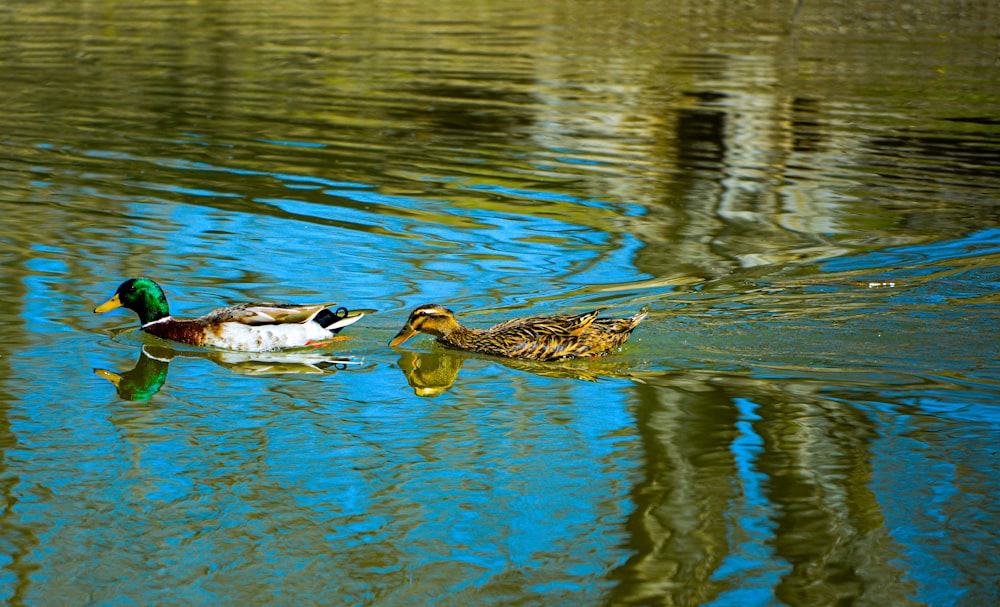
x=532 y=338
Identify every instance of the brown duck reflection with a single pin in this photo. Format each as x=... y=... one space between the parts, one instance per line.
x=434 y=373
x=430 y=374
x=150 y=371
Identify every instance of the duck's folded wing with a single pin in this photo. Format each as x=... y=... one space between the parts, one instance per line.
x=536 y=326
x=269 y=313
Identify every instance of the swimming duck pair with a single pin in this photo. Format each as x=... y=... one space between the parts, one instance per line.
x=259 y=327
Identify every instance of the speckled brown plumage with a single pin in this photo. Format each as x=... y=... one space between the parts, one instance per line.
x=533 y=338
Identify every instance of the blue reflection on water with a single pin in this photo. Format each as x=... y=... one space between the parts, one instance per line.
x=921 y=497
x=294 y=144
x=922 y=259
x=751 y=561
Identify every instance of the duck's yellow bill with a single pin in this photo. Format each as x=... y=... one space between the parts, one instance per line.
x=111 y=376
x=109 y=305
x=404 y=334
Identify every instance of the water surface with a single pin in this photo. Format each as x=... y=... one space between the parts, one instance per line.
x=805 y=198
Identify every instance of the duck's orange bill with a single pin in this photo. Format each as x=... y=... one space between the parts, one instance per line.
x=404 y=334
x=109 y=305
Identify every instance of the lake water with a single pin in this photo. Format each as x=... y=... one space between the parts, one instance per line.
x=806 y=198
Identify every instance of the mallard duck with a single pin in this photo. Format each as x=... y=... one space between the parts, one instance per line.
x=533 y=338
x=249 y=327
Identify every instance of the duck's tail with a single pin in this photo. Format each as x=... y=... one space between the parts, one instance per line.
x=334 y=321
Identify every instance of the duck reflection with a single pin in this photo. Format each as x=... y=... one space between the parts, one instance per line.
x=150 y=371
x=430 y=374
x=143 y=381
x=433 y=374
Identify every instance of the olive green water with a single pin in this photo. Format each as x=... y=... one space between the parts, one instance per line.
x=805 y=197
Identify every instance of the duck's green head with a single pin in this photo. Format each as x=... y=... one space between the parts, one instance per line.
x=142 y=296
